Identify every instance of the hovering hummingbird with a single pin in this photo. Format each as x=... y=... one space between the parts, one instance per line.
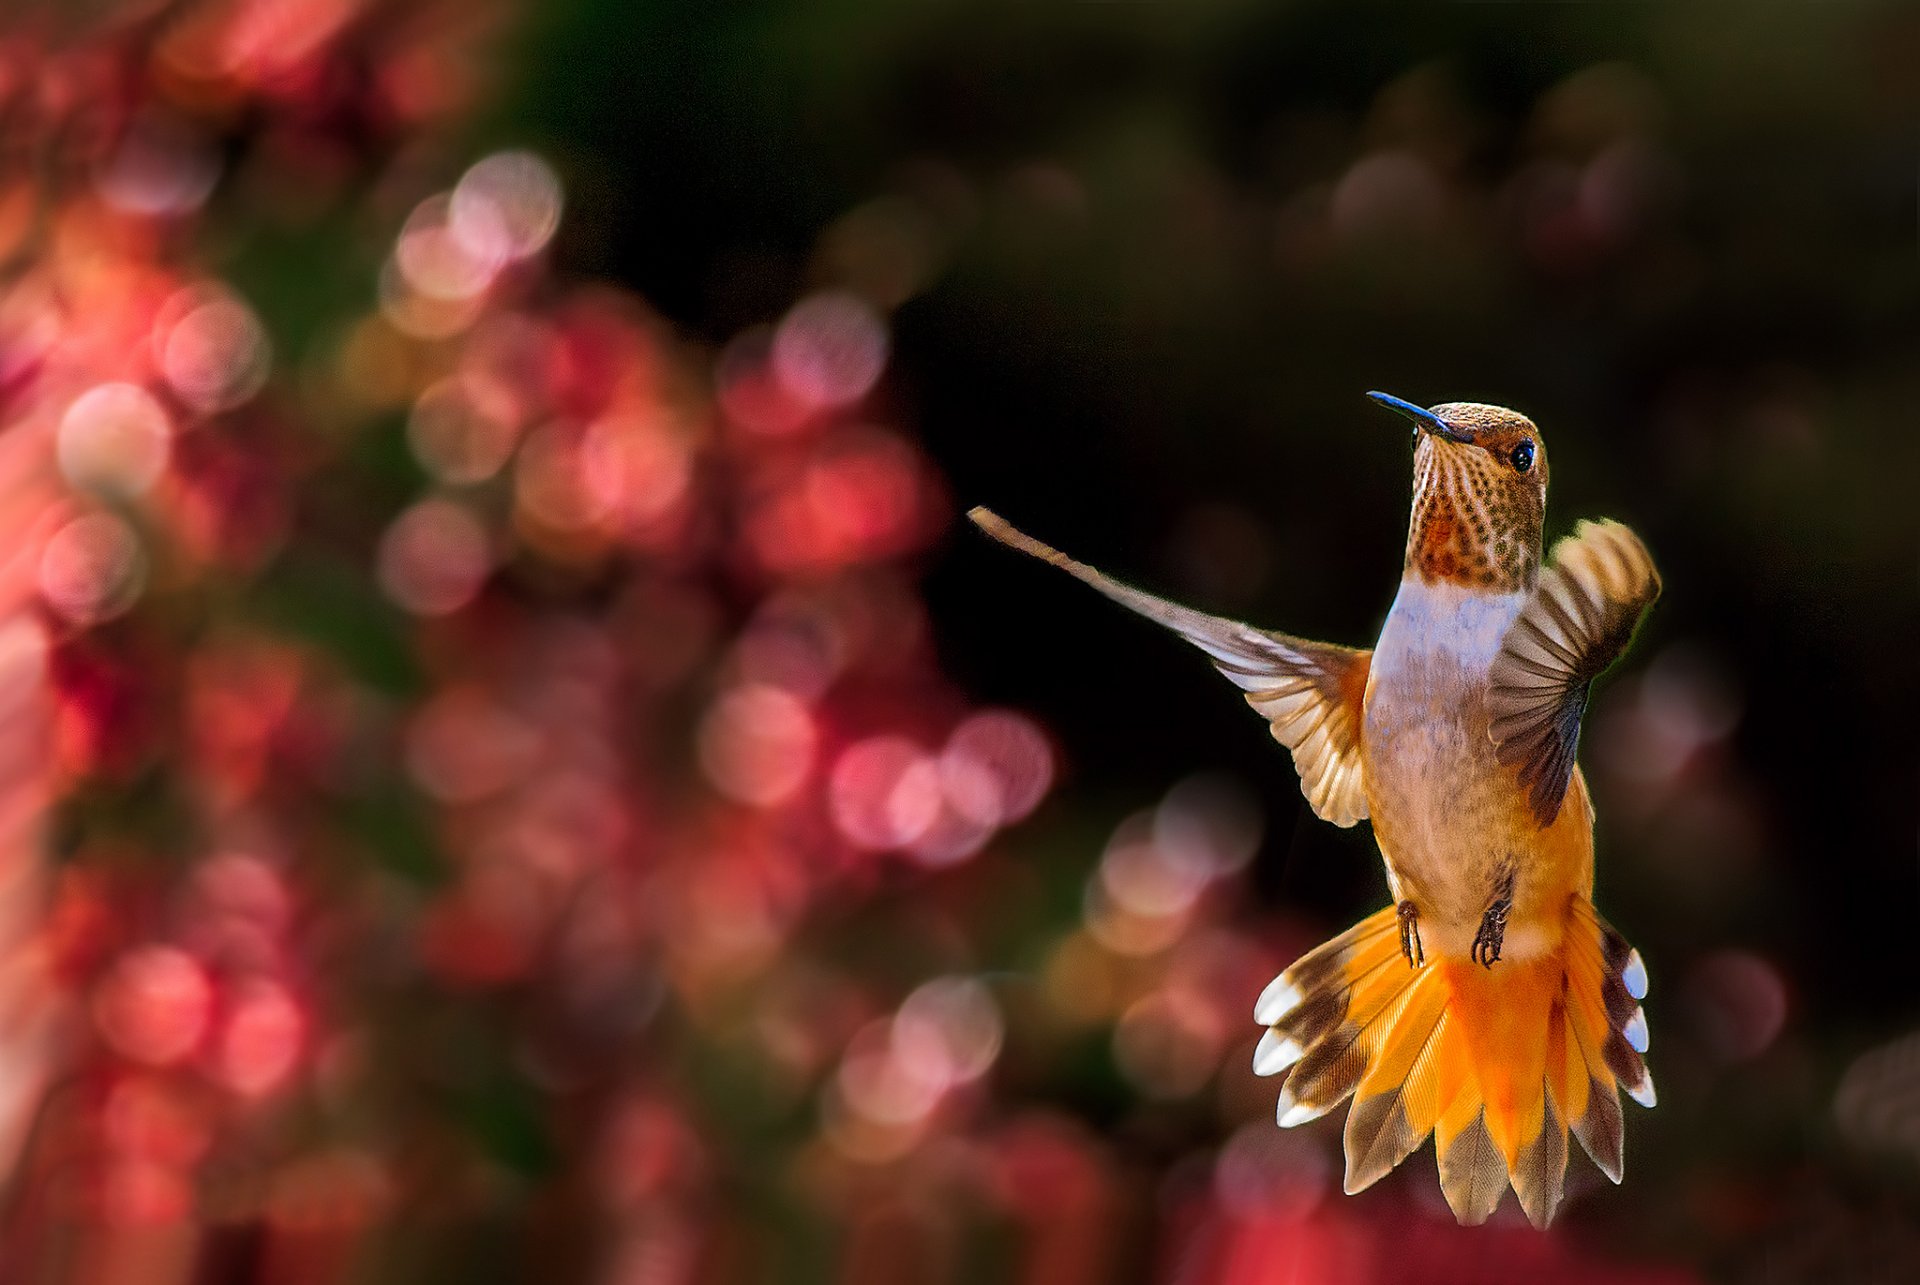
x=1490 y=1005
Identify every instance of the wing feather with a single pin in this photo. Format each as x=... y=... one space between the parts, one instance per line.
x=1582 y=615
x=1309 y=692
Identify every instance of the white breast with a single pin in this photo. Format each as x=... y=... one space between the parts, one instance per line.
x=1429 y=760
x=1444 y=625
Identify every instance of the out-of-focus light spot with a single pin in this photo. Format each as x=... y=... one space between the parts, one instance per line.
x=483 y=935
x=146 y=1116
x=803 y=1014
x=1682 y=703
x=951 y=838
x=1273 y=1172
x=638 y=465
x=212 y=348
x=883 y=250
x=141 y=1193
x=456 y=437
x=647 y=1150
x=508 y=362
x=884 y=792
x=93 y=569
x=1209 y=824
x=506 y=206
x=1124 y=931
x=23 y=663
x=1386 y=193
x=757 y=744
x=465 y=746
x=1689 y=698
x=262 y=1039
x=736 y=916
x=794 y=641
x=881 y=1086
x=559 y=484
x=161 y=167
x=439 y=264
x=1624 y=186
x=154 y=1005
x=1145 y=878
x=1878 y=1101
x=860 y=498
x=748 y=390
x=1545 y=199
x=114 y=439
x=434 y=558
x=830 y=349
x=948 y=1030
x=422 y=316
x=257 y=44
x=1166 y=1048
x=1596 y=105
x=240 y=886
x=1738 y=1003
x=996 y=767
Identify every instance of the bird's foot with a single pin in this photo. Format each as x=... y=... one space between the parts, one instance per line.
x=1493 y=926
x=1410 y=935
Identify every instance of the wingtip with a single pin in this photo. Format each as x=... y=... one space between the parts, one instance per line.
x=1634 y=976
x=989 y=521
x=1014 y=538
x=1276 y=1000
x=1276 y=1053
x=1636 y=1030
x=1288 y=1113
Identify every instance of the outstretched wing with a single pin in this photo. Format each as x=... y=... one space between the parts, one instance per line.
x=1582 y=615
x=1310 y=692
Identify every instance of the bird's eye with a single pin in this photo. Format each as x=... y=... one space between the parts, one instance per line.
x=1522 y=457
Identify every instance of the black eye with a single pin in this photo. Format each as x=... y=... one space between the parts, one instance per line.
x=1522 y=457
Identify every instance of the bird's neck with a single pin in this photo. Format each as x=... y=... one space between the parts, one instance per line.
x=1461 y=537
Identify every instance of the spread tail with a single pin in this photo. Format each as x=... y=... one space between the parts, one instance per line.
x=1498 y=1064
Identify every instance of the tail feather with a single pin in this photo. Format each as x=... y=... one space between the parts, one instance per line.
x=1539 y=1179
x=1473 y=1174
x=1602 y=1131
x=1329 y=1071
x=1391 y=1116
x=1307 y=1003
x=1497 y=1065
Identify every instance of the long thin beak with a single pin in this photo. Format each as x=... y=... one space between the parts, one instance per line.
x=1421 y=416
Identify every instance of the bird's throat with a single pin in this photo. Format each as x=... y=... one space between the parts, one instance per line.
x=1467 y=531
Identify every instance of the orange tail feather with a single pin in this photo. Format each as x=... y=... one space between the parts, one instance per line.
x=1497 y=1064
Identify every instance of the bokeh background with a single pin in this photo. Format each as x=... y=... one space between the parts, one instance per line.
x=514 y=770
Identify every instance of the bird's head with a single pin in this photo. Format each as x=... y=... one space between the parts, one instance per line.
x=1479 y=494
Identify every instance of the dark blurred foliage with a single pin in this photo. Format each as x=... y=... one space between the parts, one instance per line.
x=513 y=772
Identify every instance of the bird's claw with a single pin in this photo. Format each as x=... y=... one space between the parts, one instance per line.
x=1410 y=945
x=1493 y=927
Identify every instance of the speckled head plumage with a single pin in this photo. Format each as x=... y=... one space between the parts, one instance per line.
x=1479 y=495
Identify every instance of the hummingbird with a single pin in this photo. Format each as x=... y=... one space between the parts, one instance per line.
x=1488 y=1005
